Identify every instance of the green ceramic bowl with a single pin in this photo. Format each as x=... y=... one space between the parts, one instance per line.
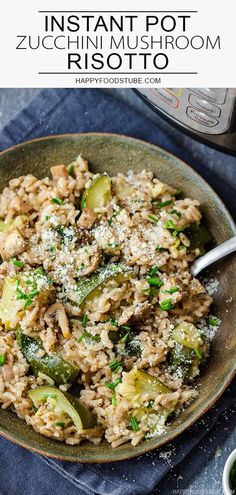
x=115 y=153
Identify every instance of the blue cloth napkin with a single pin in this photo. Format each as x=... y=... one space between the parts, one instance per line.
x=170 y=467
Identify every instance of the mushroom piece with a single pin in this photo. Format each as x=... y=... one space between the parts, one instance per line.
x=11 y=244
x=87 y=218
x=57 y=313
x=140 y=312
x=83 y=236
x=95 y=263
x=59 y=171
x=7 y=372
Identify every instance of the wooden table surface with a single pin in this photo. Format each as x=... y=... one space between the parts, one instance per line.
x=208 y=481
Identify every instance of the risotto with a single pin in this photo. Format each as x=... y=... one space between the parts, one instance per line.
x=100 y=319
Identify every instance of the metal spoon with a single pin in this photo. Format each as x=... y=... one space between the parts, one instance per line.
x=215 y=254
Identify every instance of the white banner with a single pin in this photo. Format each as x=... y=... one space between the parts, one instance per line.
x=59 y=43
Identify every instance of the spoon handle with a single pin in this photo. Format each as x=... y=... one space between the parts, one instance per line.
x=215 y=254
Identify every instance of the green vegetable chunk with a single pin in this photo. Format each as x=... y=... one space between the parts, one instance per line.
x=19 y=222
x=87 y=286
x=138 y=387
x=199 y=237
x=155 y=281
x=51 y=364
x=57 y=201
x=188 y=335
x=98 y=194
x=4 y=227
x=166 y=305
x=10 y=306
x=64 y=402
x=3 y=358
x=17 y=263
x=133 y=423
x=213 y=322
x=19 y=292
x=186 y=355
x=181 y=361
x=153 y=420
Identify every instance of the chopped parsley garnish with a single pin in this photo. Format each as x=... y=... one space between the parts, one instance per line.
x=30 y=298
x=84 y=320
x=57 y=201
x=114 y=400
x=113 y=385
x=153 y=271
x=162 y=205
x=115 y=214
x=154 y=281
x=180 y=247
x=52 y=249
x=40 y=271
x=60 y=230
x=127 y=334
x=3 y=358
x=115 y=366
x=47 y=217
x=148 y=292
x=177 y=192
x=172 y=290
x=133 y=424
x=59 y=423
x=64 y=234
x=88 y=335
x=154 y=219
x=214 y=322
x=125 y=327
x=123 y=333
x=33 y=286
x=170 y=225
x=175 y=212
x=166 y=304
x=198 y=353
x=113 y=322
x=17 y=263
x=27 y=297
x=161 y=249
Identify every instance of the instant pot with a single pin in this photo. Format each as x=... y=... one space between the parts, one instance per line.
x=206 y=114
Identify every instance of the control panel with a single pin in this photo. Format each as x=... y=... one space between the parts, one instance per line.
x=207 y=110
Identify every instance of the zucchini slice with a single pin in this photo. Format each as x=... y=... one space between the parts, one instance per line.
x=138 y=387
x=87 y=286
x=98 y=194
x=188 y=335
x=51 y=364
x=64 y=402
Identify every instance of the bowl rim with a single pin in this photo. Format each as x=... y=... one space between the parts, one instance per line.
x=229 y=377
x=227 y=468
x=128 y=138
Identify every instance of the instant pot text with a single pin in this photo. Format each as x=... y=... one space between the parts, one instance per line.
x=116 y=42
